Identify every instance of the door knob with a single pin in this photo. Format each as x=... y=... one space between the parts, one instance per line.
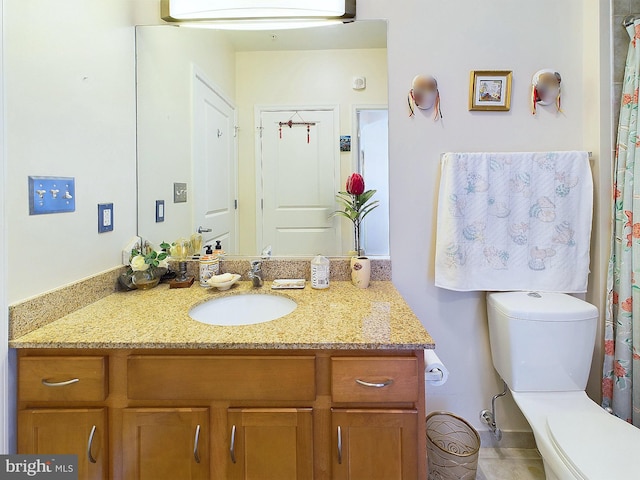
x=203 y=230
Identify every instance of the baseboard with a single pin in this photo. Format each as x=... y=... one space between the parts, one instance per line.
x=509 y=440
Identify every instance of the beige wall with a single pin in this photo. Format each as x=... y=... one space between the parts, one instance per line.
x=165 y=63
x=299 y=78
x=70 y=111
x=598 y=139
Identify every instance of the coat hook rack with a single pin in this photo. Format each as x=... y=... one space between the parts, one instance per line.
x=291 y=124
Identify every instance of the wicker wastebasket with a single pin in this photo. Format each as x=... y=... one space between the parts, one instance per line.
x=452 y=447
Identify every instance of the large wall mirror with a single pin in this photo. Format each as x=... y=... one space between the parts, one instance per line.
x=249 y=135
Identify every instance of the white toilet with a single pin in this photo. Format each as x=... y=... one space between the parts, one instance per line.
x=541 y=344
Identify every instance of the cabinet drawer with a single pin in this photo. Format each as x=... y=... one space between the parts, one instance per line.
x=367 y=379
x=221 y=377
x=81 y=379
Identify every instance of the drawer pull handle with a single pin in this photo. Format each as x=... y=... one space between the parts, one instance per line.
x=232 y=448
x=196 y=441
x=386 y=383
x=339 y=445
x=47 y=383
x=90 y=444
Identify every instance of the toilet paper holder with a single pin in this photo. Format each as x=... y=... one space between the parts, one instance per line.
x=435 y=373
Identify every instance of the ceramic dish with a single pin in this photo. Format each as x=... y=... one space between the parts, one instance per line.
x=224 y=285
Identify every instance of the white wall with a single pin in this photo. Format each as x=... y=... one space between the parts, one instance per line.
x=70 y=111
x=448 y=40
x=310 y=77
x=7 y=421
x=166 y=56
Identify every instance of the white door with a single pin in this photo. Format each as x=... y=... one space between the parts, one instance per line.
x=298 y=173
x=214 y=165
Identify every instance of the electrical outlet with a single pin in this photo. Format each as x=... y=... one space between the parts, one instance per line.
x=159 y=211
x=51 y=195
x=179 y=192
x=105 y=217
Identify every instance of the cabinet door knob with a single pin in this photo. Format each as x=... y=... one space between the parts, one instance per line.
x=90 y=444
x=47 y=383
x=339 y=445
x=196 y=441
x=386 y=383
x=232 y=448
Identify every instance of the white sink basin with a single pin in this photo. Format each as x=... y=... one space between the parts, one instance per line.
x=246 y=309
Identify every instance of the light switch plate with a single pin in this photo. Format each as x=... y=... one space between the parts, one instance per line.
x=179 y=192
x=51 y=195
x=159 y=211
x=105 y=217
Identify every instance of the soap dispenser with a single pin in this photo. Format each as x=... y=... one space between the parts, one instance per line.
x=320 y=272
x=209 y=266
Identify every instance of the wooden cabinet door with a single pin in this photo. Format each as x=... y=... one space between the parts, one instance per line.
x=375 y=444
x=270 y=444
x=171 y=443
x=76 y=431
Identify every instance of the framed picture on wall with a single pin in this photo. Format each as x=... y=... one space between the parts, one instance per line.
x=490 y=90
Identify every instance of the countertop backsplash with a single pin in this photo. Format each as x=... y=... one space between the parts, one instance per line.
x=35 y=312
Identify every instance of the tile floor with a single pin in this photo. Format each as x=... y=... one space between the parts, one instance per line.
x=509 y=464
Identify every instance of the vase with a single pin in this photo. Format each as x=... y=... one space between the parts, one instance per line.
x=126 y=281
x=360 y=271
x=146 y=279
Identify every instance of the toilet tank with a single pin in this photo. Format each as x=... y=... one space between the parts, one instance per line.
x=541 y=342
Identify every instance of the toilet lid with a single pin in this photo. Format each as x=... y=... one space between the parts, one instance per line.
x=596 y=446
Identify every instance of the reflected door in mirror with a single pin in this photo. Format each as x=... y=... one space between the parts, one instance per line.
x=214 y=163
x=299 y=172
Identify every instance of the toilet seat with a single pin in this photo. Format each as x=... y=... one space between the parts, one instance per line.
x=583 y=440
x=576 y=436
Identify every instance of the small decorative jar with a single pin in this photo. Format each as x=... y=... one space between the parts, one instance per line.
x=360 y=271
x=146 y=279
x=125 y=280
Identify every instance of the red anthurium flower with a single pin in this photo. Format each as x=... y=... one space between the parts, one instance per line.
x=355 y=184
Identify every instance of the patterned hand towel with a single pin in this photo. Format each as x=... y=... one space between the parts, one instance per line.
x=514 y=221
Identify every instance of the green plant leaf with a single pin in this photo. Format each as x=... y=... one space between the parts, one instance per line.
x=368 y=210
x=341 y=213
x=364 y=198
x=355 y=207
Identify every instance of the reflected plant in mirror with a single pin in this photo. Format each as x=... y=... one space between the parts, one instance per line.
x=357 y=204
x=209 y=104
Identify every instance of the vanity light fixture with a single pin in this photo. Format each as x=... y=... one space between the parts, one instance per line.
x=257 y=14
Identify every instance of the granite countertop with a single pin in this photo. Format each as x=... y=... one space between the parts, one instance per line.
x=341 y=317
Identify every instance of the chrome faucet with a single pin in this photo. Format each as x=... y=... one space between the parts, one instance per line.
x=255 y=274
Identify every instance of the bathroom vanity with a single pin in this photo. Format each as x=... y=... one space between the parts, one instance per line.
x=137 y=389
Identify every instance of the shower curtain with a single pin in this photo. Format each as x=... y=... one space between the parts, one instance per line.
x=621 y=372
